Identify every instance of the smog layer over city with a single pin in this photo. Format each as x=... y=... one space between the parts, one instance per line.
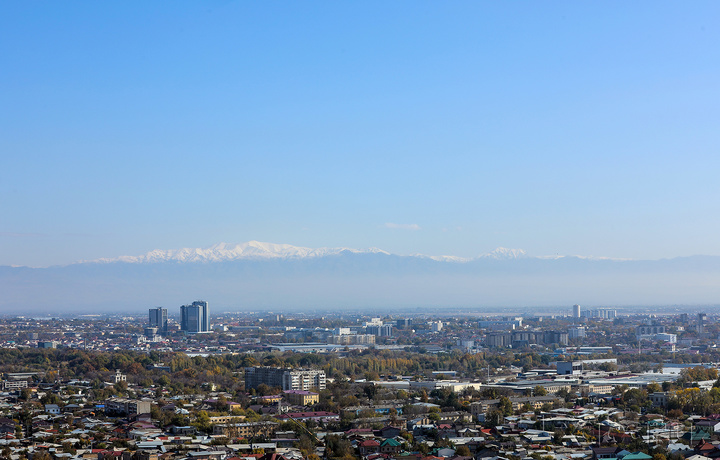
x=359 y=230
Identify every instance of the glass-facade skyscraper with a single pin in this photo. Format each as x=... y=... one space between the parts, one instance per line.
x=159 y=319
x=195 y=317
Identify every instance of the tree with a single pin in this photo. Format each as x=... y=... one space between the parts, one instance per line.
x=654 y=387
x=50 y=398
x=25 y=394
x=505 y=406
x=121 y=386
x=202 y=422
x=608 y=367
x=305 y=445
x=493 y=417
x=619 y=390
x=563 y=393
x=338 y=447
x=421 y=447
x=222 y=405
x=263 y=389
x=539 y=391
x=691 y=400
x=696 y=374
x=490 y=393
x=370 y=390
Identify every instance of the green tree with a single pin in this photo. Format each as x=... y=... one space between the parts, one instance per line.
x=370 y=390
x=202 y=422
x=25 y=394
x=539 y=391
x=505 y=406
x=305 y=445
x=653 y=387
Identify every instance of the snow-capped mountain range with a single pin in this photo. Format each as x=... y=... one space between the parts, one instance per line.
x=281 y=276
x=257 y=250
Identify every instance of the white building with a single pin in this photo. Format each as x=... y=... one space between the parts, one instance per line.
x=603 y=313
x=373 y=322
x=576 y=332
x=501 y=324
x=576 y=311
x=119 y=376
x=666 y=337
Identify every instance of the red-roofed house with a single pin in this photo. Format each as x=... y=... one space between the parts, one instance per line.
x=368 y=446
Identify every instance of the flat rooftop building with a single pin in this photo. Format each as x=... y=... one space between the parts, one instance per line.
x=287 y=379
x=123 y=406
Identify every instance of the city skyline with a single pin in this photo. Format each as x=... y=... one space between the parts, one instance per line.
x=413 y=127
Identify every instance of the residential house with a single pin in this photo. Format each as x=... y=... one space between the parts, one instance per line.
x=390 y=446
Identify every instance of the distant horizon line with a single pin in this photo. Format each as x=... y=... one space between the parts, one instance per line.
x=166 y=255
x=439 y=312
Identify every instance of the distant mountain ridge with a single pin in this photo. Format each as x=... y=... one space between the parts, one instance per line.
x=257 y=275
x=223 y=252
x=256 y=250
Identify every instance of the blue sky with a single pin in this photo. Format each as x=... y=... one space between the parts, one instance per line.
x=418 y=127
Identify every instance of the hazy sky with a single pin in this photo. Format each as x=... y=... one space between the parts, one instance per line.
x=438 y=127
